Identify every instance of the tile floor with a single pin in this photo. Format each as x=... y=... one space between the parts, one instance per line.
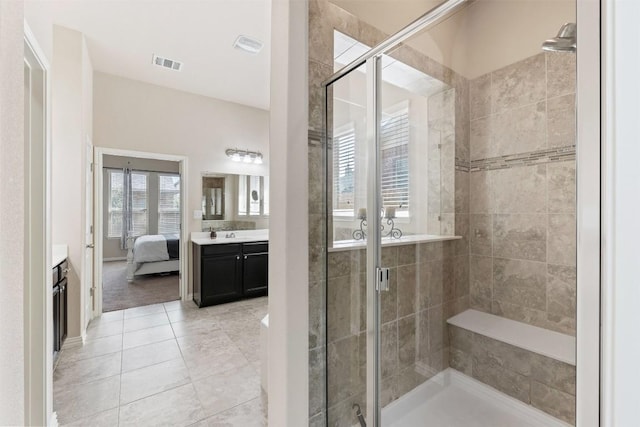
x=166 y=364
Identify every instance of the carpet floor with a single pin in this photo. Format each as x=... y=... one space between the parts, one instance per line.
x=118 y=294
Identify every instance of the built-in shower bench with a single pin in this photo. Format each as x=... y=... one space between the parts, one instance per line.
x=533 y=365
x=532 y=338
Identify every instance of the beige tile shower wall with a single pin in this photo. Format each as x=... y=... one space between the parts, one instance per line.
x=536 y=380
x=428 y=285
x=522 y=221
x=414 y=335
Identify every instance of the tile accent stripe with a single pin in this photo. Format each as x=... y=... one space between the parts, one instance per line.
x=315 y=137
x=462 y=165
x=551 y=155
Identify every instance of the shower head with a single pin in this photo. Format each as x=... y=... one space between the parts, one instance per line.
x=565 y=41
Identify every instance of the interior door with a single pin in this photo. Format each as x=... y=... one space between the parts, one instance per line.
x=89 y=282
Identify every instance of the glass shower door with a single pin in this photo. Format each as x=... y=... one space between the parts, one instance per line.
x=382 y=155
x=349 y=331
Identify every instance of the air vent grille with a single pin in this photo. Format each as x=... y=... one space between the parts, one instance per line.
x=167 y=63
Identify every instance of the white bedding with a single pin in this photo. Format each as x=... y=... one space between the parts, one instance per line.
x=150 y=248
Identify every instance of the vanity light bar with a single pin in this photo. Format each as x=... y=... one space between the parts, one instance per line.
x=245 y=156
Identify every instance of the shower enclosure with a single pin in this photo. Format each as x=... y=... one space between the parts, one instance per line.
x=450 y=280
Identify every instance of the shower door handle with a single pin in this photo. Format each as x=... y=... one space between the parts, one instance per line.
x=382 y=279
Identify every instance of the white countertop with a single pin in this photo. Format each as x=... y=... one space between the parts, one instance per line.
x=346 y=245
x=58 y=254
x=242 y=236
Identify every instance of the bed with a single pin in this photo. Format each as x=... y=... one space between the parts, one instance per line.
x=151 y=254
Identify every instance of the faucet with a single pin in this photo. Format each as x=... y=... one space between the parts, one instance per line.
x=229 y=235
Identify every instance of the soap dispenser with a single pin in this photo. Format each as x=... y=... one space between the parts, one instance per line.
x=212 y=233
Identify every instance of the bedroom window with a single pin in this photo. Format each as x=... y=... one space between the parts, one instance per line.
x=169 y=204
x=139 y=193
x=253 y=195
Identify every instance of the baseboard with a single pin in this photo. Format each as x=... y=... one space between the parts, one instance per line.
x=118 y=258
x=53 y=420
x=73 y=342
x=189 y=297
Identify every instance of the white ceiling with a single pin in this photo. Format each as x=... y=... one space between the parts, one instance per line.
x=122 y=36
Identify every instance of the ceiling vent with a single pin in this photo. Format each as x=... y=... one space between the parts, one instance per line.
x=167 y=63
x=248 y=44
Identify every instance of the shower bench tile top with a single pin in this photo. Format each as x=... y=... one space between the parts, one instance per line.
x=532 y=338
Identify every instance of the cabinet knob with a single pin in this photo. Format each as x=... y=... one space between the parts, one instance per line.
x=245 y=257
x=238 y=257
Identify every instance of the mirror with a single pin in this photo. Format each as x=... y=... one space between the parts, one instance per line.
x=234 y=199
x=213 y=197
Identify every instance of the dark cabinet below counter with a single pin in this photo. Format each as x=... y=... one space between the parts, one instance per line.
x=60 y=305
x=229 y=272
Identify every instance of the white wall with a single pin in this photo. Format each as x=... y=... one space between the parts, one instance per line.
x=12 y=236
x=621 y=286
x=132 y=115
x=41 y=27
x=289 y=223
x=71 y=125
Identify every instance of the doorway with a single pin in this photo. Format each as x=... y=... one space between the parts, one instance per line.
x=38 y=301
x=139 y=208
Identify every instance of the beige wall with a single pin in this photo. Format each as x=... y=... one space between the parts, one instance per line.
x=12 y=214
x=132 y=115
x=71 y=128
x=485 y=36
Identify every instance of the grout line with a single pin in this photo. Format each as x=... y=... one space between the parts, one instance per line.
x=121 y=359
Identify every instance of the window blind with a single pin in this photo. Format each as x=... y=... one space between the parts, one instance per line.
x=394 y=141
x=168 y=204
x=140 y=217
x=344 y=170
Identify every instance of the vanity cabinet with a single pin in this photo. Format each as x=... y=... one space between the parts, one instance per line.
x=60 y=305
x=255 y=268
x=229 y=272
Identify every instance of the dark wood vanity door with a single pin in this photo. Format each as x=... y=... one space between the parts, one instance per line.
x=255 y=274
x=221 y=278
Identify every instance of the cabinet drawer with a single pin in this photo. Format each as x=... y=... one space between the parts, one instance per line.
x=221 y=249
x=254 y=248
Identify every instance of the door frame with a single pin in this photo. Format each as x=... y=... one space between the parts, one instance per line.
x=588 y=214
x=38 y=305
x=98 y=235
